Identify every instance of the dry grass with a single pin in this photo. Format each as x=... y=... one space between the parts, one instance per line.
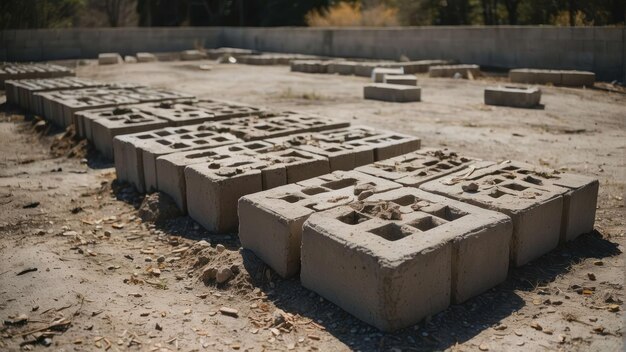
x=351 y=15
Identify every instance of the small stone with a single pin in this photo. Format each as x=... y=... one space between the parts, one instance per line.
x=161 y=259
x=470 y=187
x=500 y=327
x=591 y=276
x=229 y=311
x=107 y=233
x=148 y=259
x=483 y=347
x=220 y=248
x=365 y=194
x=39 y=232
x=223 y=275
x=535 y=325
x=598 y=263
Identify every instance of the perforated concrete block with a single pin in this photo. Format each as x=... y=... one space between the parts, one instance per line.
x=420 y=166
x=270 y=222
x=535 y=207
x=519 y=97
x=171 y=168
x=378 y=73
x=451 y=70
x=109 y=59
x=213 y=189
x=403 y=255
x=407 y=80
x=392 y=92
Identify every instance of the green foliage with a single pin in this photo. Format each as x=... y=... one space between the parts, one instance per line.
x=38 y=13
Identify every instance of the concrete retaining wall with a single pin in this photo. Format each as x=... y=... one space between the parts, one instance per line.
x=598 y=49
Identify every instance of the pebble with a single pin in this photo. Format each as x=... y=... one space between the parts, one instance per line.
x=229 y=311
x=223 y=275
x=220 y=248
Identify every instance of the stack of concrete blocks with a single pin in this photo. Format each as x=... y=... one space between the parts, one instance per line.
x=146 y=57
x=396 y=93
x=569 y=78
x=273 y=58
x=407 y=80
x=271 y=221
x=214 y=188
x=309 y=66
x=101 y=126
x=109 y=59
x=21 y=92
x=518 y=97
x=191 y=112
x=135 y=154
x=15 y=71
x=278 y=125
x=547 y=207
x=171 y=168
x=351 y=147
x=379 y=73
x=189 y=55
x=451 y=71
x=215 y=54
x=403 y=255
x=423 y=165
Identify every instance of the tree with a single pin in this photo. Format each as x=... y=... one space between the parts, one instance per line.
x=22 y=14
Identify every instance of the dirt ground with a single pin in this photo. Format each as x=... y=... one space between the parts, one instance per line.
x=80 y=270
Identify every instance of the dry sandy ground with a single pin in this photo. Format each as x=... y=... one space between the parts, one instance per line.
x=96 y=284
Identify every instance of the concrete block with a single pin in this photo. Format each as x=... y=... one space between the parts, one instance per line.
x=213 y=189
x=104 y=125
x=420 y=166
x=109 y=59
x=451 y=70
x=573 y=78
x=378 y=73
x=189 y=55
x=422 y=66
x=532 y=76
x=396 y=93
x=536 y=208
x=270 y=222
x=235 y=52
x=146 y=57
x=341 y=67
x=277 y=125
x=518 y=97
x=408 y=80
x=189 y=112
x=403 y=255
x=171 y=168
x=18 y=71
x=129 y=59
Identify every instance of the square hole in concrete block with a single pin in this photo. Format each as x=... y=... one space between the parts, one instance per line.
x=392 y=232
x=200 y=155
x=510 y=168
x=409 y=199
x=339 y=184
x=313 y=190
x=430 y=163
x=426 y=223
x=353 y=218
x=533 y=180
x=496 y=193
x=447 y=213
x=291 y=198
x=515 y=187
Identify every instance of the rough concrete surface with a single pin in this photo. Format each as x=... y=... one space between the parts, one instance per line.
x=569 y=299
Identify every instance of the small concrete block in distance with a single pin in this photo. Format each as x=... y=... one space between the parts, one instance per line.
x=392 y=92
x=342 y=67
x=518 y=97
x=109 y=59
x=408 y=80
x=129 y=59
x=535 y=207
x=171 y=168
x=573 y=78
x=213 y=189
x=270 y=222
x=418 y=167
x=192 y=55
x=378 y=74
x=403 y=255
x=466 y=71
x=146 y=57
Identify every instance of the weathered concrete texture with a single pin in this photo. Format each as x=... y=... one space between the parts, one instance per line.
x=171 y=168
x=378 y=73
x=270 y=222
x=135 y=154
x=213 y=189
x=465 y=71
x=418 y=167
x=403 y=255
x=556 y=77
x=189 y=112
x=14 y=71
x=234 y=52
x=518 y=97
x=277 y=125
x=310 y=66
x=146 y=57
x=535 y=207
x=342 y=67
x=192 y=55
x=350 y=147
x=104 y=125
x=396 y=93
x=109 y=59
x=21 y=92
x=408 y=80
